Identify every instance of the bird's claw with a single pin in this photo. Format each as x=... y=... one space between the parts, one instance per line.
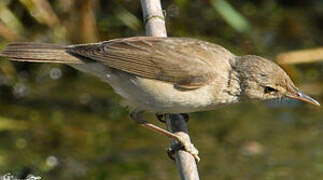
x=185 y=145
x=171 y=150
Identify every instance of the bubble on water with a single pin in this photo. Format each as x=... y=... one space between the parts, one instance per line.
x=32 y=177
x=55 y=73
x=252 y=148
x=20 y=90
x=7 y=176
x=51 y=161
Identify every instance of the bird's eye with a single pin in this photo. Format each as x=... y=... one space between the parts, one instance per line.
x=269 y=89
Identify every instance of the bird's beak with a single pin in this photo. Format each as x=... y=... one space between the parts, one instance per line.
x=303 y=97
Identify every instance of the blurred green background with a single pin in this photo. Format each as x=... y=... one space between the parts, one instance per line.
x=58 y=123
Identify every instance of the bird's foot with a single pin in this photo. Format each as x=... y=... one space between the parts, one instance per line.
x=184 y=144
x=183 y=139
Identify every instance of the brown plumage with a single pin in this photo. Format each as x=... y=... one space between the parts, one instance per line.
x=169 y=75
x=39 y=52
x=186 y=63
x=165 y=59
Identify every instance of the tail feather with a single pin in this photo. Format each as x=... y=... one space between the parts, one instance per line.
x=39 y=52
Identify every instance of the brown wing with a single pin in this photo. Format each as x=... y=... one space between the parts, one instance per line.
x=187 y=63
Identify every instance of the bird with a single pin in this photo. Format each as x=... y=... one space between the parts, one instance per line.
x=169 y=75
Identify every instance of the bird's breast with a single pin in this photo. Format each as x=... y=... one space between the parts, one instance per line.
x=159 y=96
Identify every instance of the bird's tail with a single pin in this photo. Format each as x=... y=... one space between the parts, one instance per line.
x=39 y=52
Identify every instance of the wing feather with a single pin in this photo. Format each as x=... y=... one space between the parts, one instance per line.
x=187 y=63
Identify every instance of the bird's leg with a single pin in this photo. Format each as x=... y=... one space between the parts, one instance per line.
x=188 y=146
x=185 y=116
x=171 y=150
x=161 y=117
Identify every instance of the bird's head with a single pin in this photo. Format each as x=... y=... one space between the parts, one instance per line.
x=261 y=79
